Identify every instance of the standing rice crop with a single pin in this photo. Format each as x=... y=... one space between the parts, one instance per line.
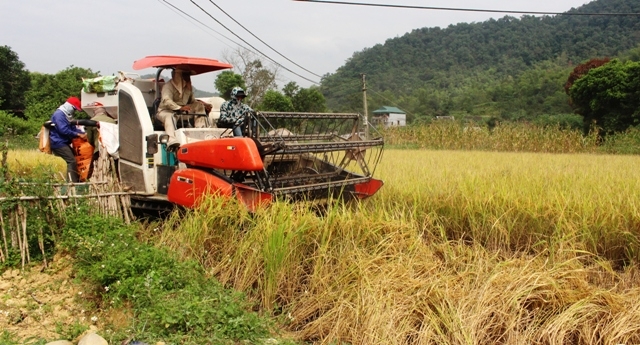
x=28 y=162
x=509 y=137
x=457 y=248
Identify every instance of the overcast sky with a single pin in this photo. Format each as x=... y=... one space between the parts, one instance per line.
x=108 y=35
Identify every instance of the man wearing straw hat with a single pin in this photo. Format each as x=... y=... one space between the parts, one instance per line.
x=177 y=95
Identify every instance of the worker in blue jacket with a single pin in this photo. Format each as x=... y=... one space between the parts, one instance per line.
x=61 y=134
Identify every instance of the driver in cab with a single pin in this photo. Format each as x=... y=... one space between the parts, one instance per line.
x=177 y=97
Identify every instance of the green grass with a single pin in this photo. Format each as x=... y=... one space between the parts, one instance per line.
x=173 y=299
x=6 y=338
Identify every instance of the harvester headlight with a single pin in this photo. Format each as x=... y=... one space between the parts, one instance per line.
x=164 y=138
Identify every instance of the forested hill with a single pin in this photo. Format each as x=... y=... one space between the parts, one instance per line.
x=448 y=65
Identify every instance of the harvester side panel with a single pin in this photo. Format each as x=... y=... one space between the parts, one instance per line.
x=130 y=130
x=134 y=125
x=188 y=186
x=223 y=153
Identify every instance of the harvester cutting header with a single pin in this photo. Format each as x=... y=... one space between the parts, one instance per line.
x=298 y=156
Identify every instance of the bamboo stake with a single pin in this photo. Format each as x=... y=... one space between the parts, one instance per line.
x=3 y=164
x=20 y=240
x=41 y=244
x=25 y=239
x=2 y=259
x=108 y=193
x=53 y=234
x=58 y=202
x=12 y=232
x=4 y=235
x=22 y=225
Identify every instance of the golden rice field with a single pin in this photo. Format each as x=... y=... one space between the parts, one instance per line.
x=459 y=247
x=511 y=137
x=27 y=162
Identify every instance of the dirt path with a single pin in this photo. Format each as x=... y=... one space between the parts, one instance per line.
x=35 y=304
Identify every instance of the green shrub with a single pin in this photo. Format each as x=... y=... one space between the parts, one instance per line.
x=173 y=299
x=562 y=121
x=627 y=142
x=17 y=132
x=11 y=125
x=18 y=142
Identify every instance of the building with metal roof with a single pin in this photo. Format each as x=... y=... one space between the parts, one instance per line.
x=389 y=117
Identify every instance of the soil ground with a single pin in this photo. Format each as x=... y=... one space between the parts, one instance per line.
x=43 y=303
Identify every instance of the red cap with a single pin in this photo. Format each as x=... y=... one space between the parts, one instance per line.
x=75 y=102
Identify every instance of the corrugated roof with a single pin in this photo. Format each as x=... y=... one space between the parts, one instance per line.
x=388 y=110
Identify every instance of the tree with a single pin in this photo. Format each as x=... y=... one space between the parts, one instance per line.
x=583 y=69
x=258 y=77
x=14 y=82
x=609 y=96
x=49 y=91
x=309 y=100
x=290 y=89
x=259 y=81
x=226 y=81
x=275 y=101
x=633 y=54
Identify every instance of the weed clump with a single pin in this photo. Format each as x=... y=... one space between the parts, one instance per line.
x=172 y=300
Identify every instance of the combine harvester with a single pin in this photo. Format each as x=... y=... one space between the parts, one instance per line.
x=296 y=156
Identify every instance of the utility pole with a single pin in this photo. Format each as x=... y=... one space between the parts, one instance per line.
x=366 y=112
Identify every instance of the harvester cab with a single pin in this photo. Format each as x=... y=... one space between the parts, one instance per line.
x=297 y=156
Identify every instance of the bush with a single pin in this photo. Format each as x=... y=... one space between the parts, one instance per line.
x=19 y=133
x=173 y=299
x=627 y=142
x=15 y=126
x=563 y=121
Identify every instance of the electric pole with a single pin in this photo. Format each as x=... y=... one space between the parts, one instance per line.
x=366 y=112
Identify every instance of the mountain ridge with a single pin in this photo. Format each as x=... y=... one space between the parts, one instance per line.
x=449 y=58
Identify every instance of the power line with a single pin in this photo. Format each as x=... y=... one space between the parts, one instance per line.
x=247 y=43
x=263 y=42
x=184 y=14
x=467 y=9
x=353 y=87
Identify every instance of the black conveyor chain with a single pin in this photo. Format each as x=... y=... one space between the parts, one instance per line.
x=290 y=147
x=285 y=115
